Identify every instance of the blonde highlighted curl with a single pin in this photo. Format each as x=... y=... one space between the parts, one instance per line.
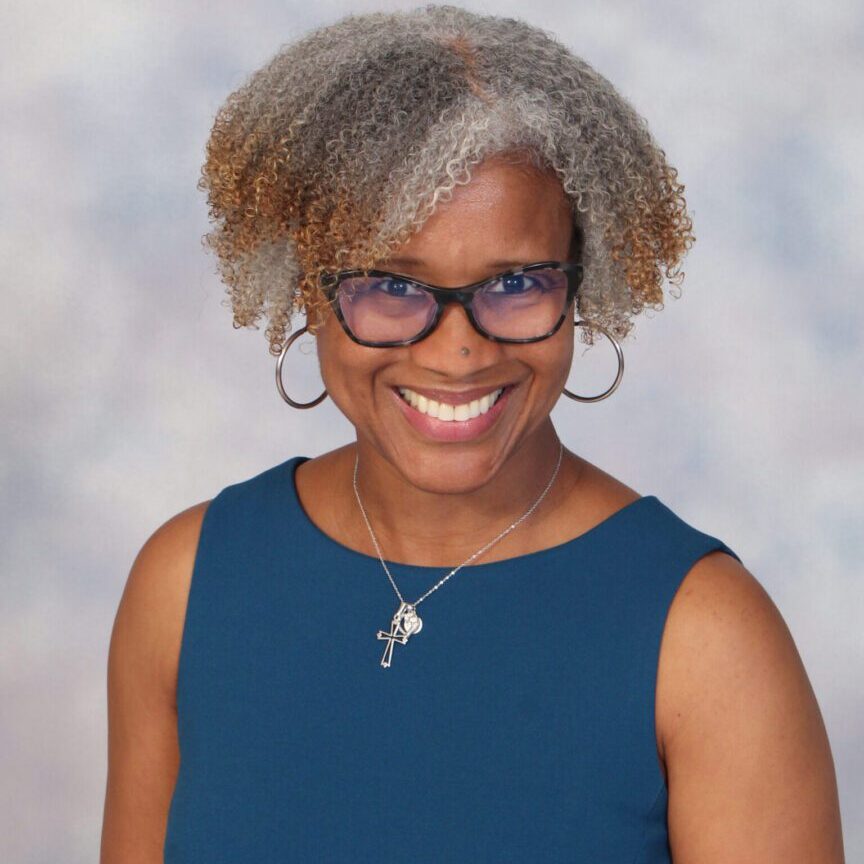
x=339 y=148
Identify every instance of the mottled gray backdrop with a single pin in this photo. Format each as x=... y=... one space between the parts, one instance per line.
x=128 y=396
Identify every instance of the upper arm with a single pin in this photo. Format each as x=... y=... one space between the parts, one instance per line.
x=750 y=772
x=143 y=754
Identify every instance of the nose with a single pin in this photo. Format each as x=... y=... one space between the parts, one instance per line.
x=441 y=349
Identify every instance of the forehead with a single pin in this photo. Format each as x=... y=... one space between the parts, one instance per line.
x=503 y=206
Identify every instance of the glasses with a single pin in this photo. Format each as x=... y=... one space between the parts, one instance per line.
x=526 y=304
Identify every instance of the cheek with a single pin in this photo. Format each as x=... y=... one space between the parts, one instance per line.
x=550 y=360
x=348 y=371
x=565 y=351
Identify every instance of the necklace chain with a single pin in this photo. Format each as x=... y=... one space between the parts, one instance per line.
x=479 y=552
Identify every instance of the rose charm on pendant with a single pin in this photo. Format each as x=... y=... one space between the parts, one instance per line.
x=406 y=622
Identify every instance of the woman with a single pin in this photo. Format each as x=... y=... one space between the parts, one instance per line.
x=452 y=639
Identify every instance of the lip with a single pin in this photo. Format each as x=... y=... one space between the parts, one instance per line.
x=453 y=430
x=455 y=397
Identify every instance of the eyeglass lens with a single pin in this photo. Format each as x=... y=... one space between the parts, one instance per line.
x=516 y=306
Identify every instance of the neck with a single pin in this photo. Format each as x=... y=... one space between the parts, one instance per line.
x=418 y=522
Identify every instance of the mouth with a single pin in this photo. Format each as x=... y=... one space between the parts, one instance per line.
x=446 y=421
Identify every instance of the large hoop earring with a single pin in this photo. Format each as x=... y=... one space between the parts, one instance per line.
x=279 y=386
x=618 y=377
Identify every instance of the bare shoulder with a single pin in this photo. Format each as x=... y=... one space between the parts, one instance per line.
x=719 y=608
x=143 y=750
x=153 y=605
x=746 y=754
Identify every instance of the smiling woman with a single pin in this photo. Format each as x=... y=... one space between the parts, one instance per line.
x=450 y=198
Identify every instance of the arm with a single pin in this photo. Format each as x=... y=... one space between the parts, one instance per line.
x=750 y=773
x=143 y=756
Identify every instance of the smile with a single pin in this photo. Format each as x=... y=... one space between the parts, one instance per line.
x=443 y=421
x=447 y=412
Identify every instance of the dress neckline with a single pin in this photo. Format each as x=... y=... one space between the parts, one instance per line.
x=517 y=561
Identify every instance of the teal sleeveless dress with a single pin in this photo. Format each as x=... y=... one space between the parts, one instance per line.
x=516 y=726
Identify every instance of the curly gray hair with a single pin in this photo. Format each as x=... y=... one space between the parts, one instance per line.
x=339 y=148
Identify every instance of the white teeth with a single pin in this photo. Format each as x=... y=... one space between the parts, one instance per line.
x=445 y=411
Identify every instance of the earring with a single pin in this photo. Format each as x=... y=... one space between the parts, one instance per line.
x=279 y=386
x=618 y=377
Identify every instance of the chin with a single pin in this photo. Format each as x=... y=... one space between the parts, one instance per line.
x=448 y=470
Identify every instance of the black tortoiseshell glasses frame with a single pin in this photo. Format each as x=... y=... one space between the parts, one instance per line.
x=464 y=296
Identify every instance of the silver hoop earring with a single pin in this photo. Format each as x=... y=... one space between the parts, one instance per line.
x=279 y=386
x=618 y=377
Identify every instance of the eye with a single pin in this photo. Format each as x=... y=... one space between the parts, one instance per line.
x=395 y=287
x=515 y=284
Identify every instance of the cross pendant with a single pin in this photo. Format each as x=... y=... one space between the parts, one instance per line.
x=405 y=623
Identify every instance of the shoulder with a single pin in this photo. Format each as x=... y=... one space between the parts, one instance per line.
x=739 y=728
x=149 y=622
x=178 y=535
x=719 y=621
x=143 y=743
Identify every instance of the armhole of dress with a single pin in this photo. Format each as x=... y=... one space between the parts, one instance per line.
x=655 y=840
x=191 y=606
x=658 y=812
x=708 y=544
x=224 y=511
x=721 y=547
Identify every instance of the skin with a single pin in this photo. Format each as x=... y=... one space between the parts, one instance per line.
x=740 y=736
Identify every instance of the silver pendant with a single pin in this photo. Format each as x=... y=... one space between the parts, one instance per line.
x=406 y=622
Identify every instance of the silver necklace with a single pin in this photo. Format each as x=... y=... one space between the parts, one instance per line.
x=406 y=622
